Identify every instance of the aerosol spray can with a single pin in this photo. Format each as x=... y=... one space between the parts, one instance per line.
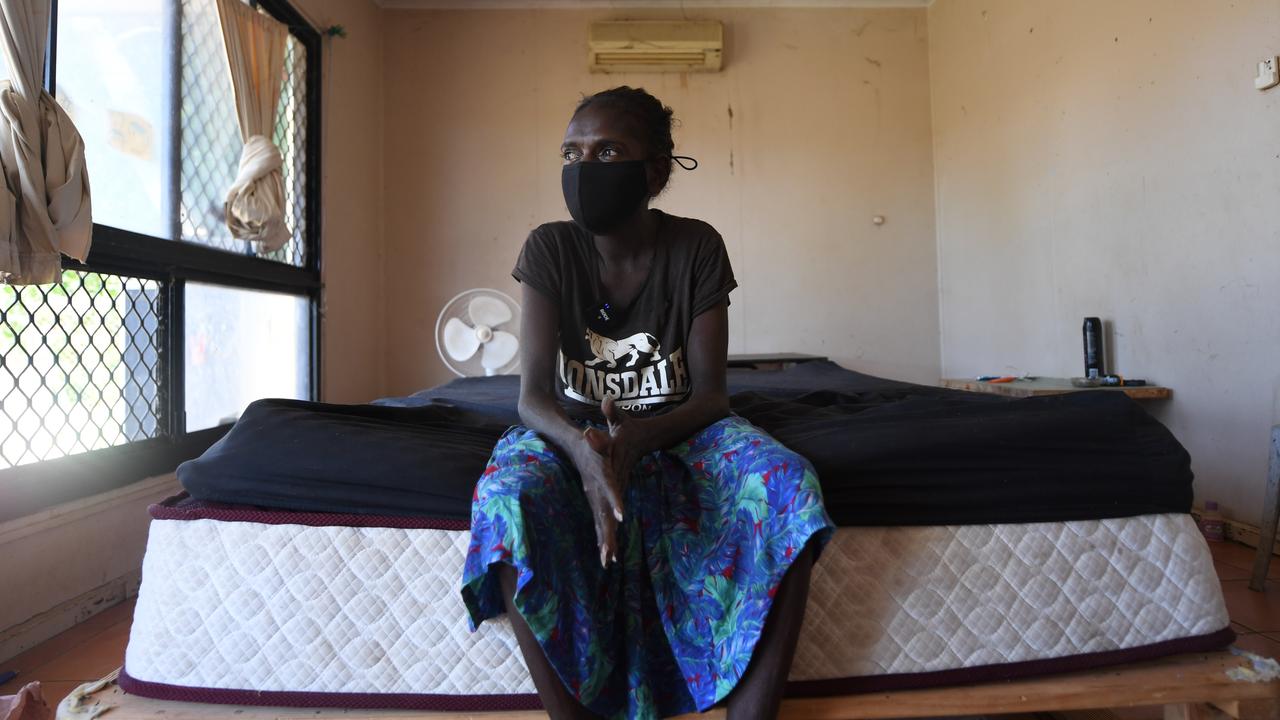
x=1093 y=366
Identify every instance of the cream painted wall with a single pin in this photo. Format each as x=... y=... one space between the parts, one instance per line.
x=64 y=564
x=1113 y=159
x=353 y=336
x=819 y=121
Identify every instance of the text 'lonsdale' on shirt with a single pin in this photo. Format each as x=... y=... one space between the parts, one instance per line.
x=642 y=362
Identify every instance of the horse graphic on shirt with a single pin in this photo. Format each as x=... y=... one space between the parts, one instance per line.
x=611 y=351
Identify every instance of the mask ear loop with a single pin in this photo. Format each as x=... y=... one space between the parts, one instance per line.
x=681 y=160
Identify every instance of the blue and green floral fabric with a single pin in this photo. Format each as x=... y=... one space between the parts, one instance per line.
x=711 y=527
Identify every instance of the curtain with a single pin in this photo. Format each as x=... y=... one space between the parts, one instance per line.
x=255 y=55
x=44 y=204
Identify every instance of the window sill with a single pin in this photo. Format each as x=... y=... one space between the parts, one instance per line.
x=29 y=489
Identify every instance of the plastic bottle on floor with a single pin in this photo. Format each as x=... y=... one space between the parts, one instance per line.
x=1211 y=522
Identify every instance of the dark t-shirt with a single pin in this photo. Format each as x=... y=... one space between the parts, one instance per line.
x=643 y=365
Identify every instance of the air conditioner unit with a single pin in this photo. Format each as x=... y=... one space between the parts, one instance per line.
x=642 y=46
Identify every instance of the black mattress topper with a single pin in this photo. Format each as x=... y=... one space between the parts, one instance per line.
x=886 y=452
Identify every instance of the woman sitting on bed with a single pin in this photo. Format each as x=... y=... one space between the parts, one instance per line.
x=651 y=549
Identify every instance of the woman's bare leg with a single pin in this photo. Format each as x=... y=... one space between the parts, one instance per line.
x=759 y=692
x=554 y=695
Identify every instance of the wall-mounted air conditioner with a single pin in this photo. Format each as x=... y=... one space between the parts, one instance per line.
x=639 y=46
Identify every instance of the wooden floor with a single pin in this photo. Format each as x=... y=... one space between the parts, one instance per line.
x=95 y=647
x=86 y=652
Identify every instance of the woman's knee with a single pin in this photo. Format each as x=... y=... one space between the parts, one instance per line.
x=523 y=462
x=782 y=464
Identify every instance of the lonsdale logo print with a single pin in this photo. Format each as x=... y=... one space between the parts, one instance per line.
x=632 y=370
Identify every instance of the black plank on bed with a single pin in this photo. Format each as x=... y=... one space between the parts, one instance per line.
x=886 y=452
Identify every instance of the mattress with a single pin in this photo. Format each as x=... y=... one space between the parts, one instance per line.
x=886 y=452
x=242 y=605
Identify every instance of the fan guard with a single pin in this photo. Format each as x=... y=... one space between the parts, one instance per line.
x=476 y=333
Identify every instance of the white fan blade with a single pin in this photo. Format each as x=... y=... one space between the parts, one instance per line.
x=485 y=310
x=499 y=351
x=460 y=341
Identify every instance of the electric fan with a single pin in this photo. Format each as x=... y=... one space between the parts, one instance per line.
x=468 y=335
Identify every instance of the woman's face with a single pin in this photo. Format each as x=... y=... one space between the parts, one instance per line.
x=603 y=134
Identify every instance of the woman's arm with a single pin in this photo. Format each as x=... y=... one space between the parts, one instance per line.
x=539 y=344
x=709 y=401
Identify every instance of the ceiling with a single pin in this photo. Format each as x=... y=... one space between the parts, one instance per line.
x=628 y=4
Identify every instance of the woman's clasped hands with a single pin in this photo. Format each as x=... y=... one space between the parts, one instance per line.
x=604 y=461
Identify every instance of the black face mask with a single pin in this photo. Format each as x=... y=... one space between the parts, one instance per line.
x=601 y=195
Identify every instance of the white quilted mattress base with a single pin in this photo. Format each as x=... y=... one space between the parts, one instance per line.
x=333 y=609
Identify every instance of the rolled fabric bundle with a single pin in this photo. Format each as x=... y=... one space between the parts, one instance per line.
x=255 y=45
x=66 y=180
x=45 y=207
x=10 y=251
x=254 y=207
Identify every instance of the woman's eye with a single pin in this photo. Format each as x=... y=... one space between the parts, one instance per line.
x=608 y=152
x=569 y=155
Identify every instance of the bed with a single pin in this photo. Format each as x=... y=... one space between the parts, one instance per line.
x=314 y=559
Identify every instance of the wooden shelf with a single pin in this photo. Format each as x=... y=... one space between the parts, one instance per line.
x=1052 y=386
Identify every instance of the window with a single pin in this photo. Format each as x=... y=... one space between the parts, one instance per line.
x=242 y=345
x=143 y=355
x=211 y=137
x=113 y=80
x=80 y=366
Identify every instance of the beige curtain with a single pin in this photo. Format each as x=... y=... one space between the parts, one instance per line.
x=44 y=204
x=255 y=54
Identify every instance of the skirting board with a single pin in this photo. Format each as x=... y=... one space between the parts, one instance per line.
x=24 y=636
x=66 y=518
x=1243 y=533
x=144 y=491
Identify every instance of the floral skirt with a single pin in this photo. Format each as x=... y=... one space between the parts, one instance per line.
x=710 y=528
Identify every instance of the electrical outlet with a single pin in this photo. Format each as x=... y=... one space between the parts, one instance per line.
x=1268 y=74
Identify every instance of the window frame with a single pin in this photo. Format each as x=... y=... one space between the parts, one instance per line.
x=29 y=488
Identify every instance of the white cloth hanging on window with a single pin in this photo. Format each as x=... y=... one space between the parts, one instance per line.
x=255 y=55
x=44 y=203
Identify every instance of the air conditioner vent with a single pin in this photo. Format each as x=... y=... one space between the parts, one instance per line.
x=637 y=46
